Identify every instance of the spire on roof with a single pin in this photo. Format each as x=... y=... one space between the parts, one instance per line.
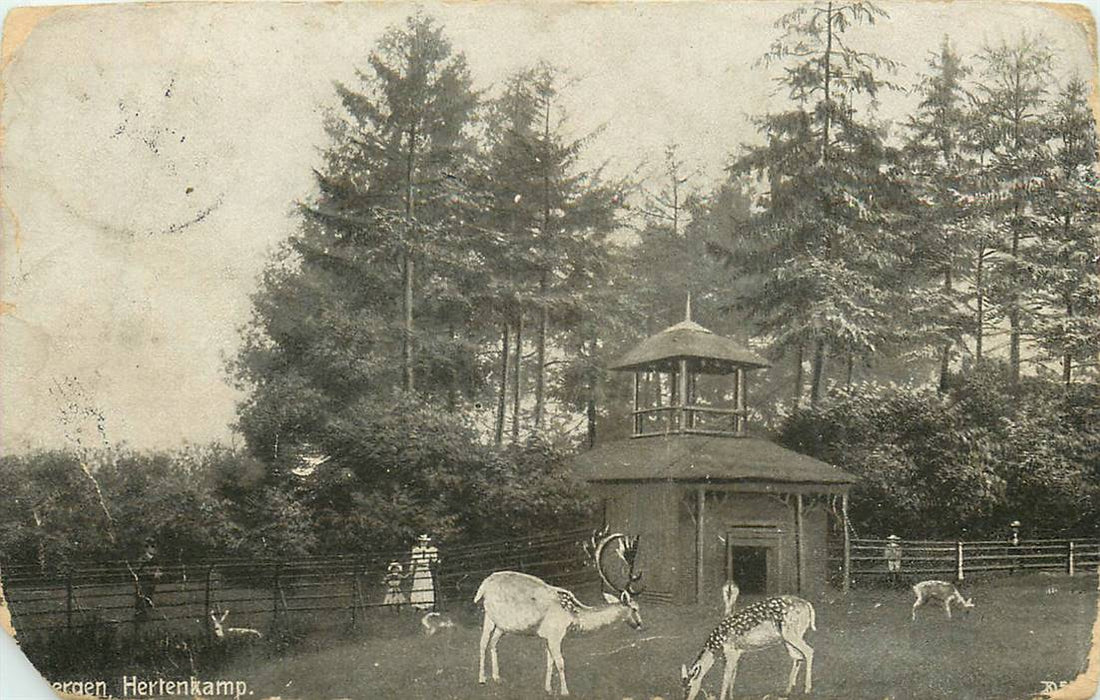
x=687 y=310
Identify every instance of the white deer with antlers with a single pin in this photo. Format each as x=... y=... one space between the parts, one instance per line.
x=523 y=604
x=783 y=620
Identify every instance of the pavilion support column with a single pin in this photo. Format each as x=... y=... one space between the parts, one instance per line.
x=742 y=402
x=847 y=564
x=683 y=391
x=637 y=407
x=700 y=507
x=800 y=544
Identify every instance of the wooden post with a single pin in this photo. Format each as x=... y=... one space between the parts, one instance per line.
x=682 y=390
x=1069 y=559
x=800 y=543
x=138 y=611
x=700 y=501
x=742 y=402
x=276 y=590
x=354 y=580
x=847 y=565
x=359 y=601
x=958 y=561
x=206 y=606
x=637 y=417
x=69 y=601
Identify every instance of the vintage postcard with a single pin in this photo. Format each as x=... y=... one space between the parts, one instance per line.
x=744 y=349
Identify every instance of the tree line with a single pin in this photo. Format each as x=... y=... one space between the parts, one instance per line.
x=457 y=250
x=437 y=332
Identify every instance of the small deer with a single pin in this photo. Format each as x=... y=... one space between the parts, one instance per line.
x=523 y=604
x=434 y=622
x=941 y=591
x=232 y=632
x=783 y=620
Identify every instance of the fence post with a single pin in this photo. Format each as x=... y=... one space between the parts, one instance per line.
x=1069 y=559
x=846 y=565
x=206 y=607
x=137 y=605
x=275 y=591
x=959 y=560
x=69 y=601
x=354 y=594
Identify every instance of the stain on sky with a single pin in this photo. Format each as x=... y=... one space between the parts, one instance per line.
x=177 y=227
x=148 y=121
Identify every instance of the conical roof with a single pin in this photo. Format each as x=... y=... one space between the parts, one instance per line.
x=688 y=340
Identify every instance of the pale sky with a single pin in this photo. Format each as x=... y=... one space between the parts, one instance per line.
x=152 y=154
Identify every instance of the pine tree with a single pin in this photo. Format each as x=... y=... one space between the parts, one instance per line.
x=551 y=215
x=829 y=253
x=940 y=170
x=386 y=231
x=396 y=160
x=1011 y=93
x=1068 y=210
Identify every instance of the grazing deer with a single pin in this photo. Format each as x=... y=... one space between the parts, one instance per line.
x=523 y=604
x=783 y=620
x=434 y=622
x=941 y=591
x=232 y=632
x=730 y=592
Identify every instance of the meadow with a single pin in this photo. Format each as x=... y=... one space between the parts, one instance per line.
x=1024 y=630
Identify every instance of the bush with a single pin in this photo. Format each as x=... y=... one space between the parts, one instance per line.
x=964 y=463
x=114 y=504
x=394 y=471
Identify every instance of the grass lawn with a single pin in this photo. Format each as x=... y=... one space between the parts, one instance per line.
x=1017 y=636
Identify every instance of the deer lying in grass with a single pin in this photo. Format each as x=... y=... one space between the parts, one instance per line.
x=434 y=622
x=939 y=591
x=522 y=604
x=772 y=622
x=232 y=632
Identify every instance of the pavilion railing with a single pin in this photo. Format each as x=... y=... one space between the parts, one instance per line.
x=697 y=420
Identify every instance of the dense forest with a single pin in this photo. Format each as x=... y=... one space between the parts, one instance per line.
x=429 y=348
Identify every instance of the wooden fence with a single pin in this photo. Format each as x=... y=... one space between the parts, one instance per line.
x=878 y=559
x=267 y=594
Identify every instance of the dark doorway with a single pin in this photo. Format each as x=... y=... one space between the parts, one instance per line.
x=750 y=568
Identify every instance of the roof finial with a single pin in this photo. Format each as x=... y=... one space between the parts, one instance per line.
x=687 y=309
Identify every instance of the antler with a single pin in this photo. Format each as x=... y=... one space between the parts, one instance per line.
x=593 y=544
x=628 y=550
x=598 y=557
x=630 y=554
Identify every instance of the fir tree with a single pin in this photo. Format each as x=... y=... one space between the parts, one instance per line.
x=384 y=232
x=1068 y=211
x=1011 y=93
x=396 y=161
x=941 y=171
x=828 y=253
x=552 y=215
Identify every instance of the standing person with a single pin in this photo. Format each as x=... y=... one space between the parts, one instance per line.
x=424 y=555
x=892 y=553
x=146 y=576
x=394 y=579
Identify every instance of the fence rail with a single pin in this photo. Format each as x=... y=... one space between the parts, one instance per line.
x=878 y=559
x=264 y=594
